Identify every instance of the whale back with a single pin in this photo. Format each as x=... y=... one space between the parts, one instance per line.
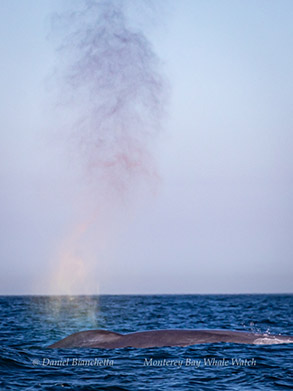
x=88 y=338
x=158 y=338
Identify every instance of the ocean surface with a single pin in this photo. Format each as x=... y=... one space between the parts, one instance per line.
x=30 y=323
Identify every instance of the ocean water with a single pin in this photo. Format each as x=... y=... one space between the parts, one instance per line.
x=30 y=323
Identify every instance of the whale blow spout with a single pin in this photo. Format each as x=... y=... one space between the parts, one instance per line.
x=104 y=339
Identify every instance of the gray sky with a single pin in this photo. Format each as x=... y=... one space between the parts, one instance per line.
x=217 y=217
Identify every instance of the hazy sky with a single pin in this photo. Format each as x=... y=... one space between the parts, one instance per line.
x=217 y=215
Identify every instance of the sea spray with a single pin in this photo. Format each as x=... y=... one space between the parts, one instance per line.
x=114 y=95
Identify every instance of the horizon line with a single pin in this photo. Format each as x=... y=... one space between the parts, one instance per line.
x=144 y=294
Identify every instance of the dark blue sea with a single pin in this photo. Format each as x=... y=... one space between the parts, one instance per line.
x=30 y=323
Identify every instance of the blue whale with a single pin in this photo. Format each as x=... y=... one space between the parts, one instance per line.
x=104 y=339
